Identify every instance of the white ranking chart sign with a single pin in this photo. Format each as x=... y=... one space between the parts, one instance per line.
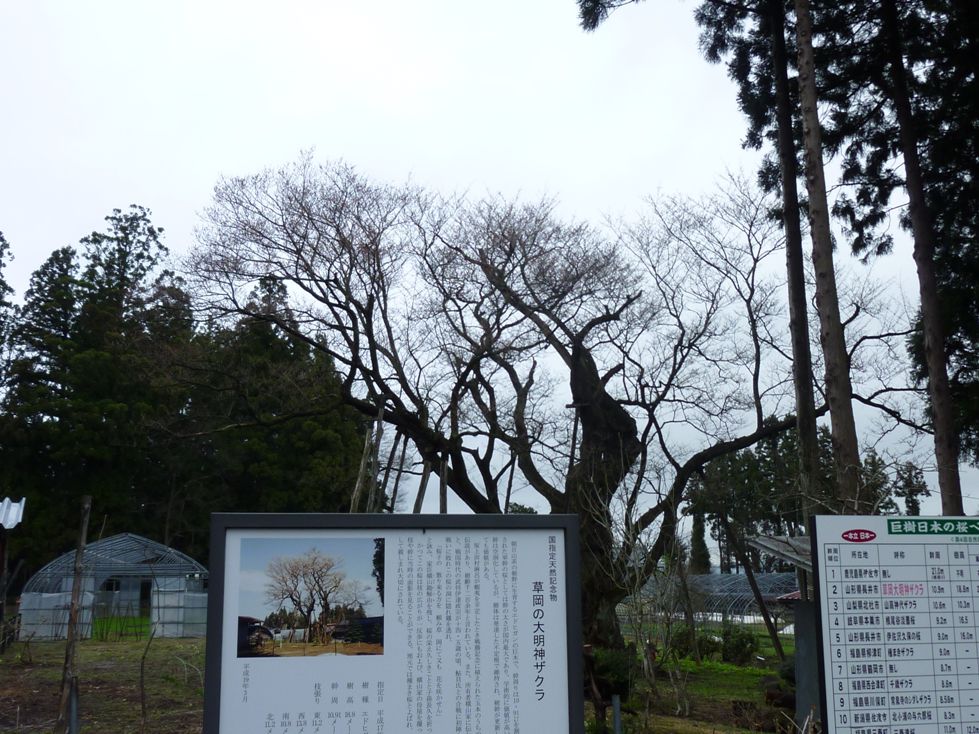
x=366 y=630
x=898 y=599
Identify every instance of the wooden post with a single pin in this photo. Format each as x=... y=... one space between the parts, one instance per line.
x=397 y=477
x=69 y=677
x=443 y=488
x=367 y=475
x=509 y=487
x=361 y=473
x=373 y=488
x=742 y=556
x=3 y=587
x=378 y=502
x=420 y=497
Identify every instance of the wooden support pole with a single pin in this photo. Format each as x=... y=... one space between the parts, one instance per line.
x=420 y=497
x=397 y=476
x=742 y=556
x=443 y=487
x=69 y=676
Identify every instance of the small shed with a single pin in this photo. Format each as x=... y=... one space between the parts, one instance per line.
x=129 y=585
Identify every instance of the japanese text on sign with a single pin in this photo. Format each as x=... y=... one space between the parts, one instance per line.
x=897 y=600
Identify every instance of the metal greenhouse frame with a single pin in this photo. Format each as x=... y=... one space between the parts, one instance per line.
x=129 y=586
x=718 y=596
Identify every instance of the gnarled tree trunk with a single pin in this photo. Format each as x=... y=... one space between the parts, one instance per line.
x=608 y=448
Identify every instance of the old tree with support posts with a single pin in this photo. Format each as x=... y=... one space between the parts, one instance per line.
x=599 y=369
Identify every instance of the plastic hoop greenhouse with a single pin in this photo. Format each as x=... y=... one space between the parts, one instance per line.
x=130 y=585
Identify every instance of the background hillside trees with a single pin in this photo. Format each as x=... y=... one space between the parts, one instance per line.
x=883 y=67
x=262 y=430
x=79 y=391
x=117 y=390
x=6 y=308
x=756 y=492
x=884 y=76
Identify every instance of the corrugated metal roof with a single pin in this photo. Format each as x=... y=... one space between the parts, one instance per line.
x=794 y=549
x=11 y=513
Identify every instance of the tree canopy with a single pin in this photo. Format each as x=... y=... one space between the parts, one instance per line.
x=510 y=346
x=117 y=389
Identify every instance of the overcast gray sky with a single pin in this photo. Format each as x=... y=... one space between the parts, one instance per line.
x=354 y=558
x=112 y=102
x=108 y=103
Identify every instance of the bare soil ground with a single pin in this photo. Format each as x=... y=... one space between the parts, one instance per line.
x=299 y=649
x=109 y=686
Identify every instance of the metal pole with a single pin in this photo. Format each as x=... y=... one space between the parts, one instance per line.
x=73 y=724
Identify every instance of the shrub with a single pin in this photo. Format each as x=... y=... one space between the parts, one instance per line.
x=710 y=645
x=786 y=670
x=615 y=670
x=738 y=644
x=680 y=640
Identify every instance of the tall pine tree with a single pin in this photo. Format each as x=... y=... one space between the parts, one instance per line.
x=117 y=392
x=881 y=62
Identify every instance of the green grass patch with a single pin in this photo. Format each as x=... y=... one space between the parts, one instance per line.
x=120 y=628
x=724 y=681
x=710 y=696
x=674 y=725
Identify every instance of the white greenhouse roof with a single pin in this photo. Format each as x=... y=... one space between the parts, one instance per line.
x=121 y=555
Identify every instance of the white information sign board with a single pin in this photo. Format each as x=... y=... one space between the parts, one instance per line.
x=897 y=599
x=356 y=630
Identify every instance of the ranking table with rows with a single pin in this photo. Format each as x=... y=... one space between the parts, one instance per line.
x=901 y=633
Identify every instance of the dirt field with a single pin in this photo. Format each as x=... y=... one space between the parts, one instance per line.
x=110 y=698
x=109 y=686
x=299 y=649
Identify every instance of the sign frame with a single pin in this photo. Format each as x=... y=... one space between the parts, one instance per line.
x=223 y=523
x=904 y=574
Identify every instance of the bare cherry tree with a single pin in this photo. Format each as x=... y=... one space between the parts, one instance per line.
x=602 y=370
x=307 y=582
